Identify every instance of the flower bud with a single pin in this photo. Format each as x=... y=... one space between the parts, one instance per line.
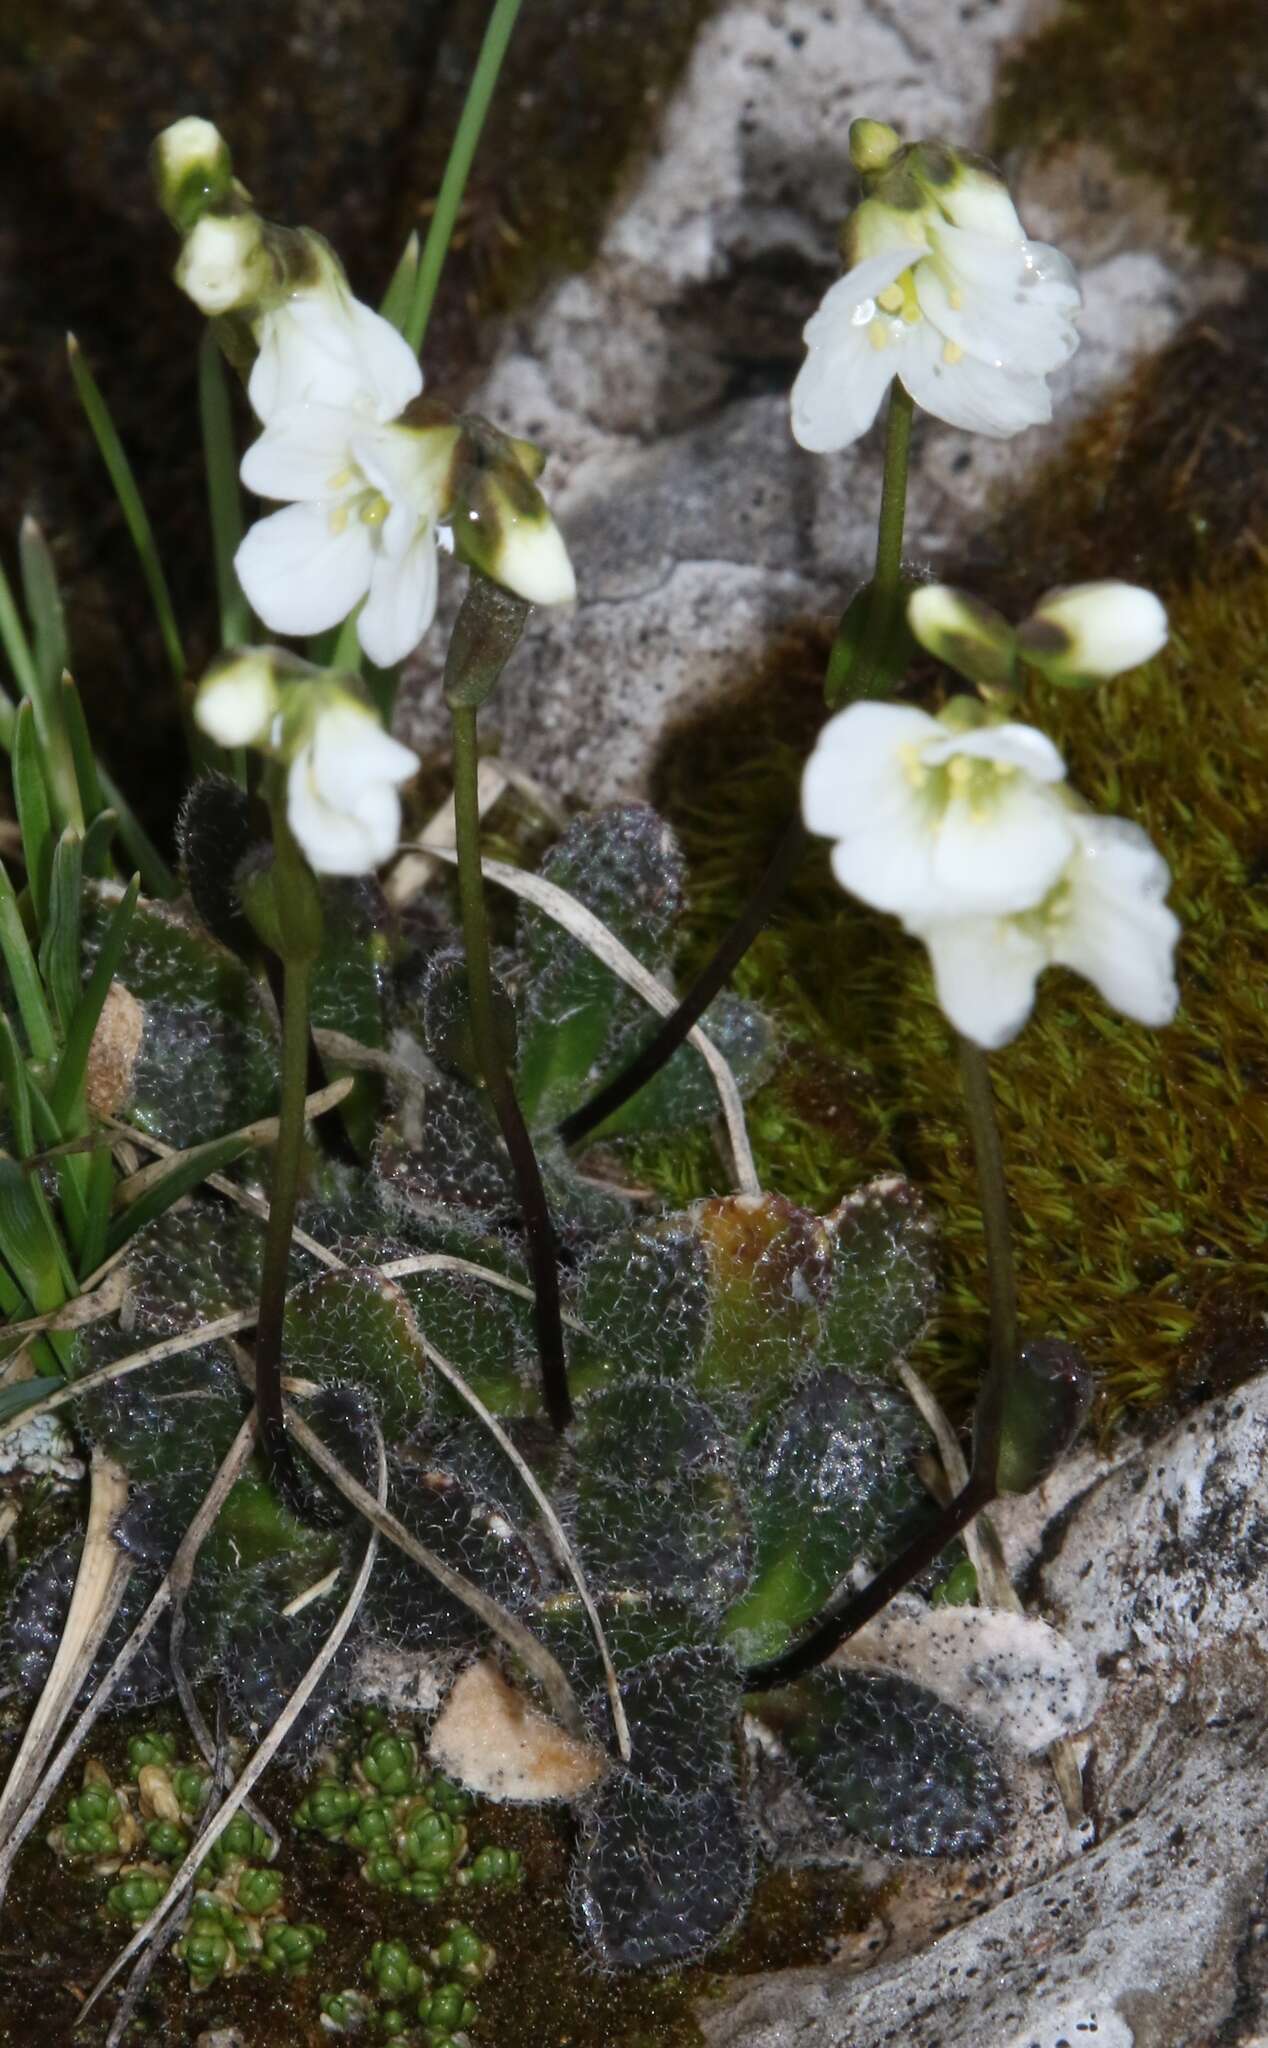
x=873 y=146
x=502 y=524
x=192 y=170
x=1086 y=632
x=971 y=637
x=238 y=698
x=224 y=263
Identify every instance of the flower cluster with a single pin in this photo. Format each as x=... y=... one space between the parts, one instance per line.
x=943 y=291
x=962 y=824
x=343 y=772
x=372 y=479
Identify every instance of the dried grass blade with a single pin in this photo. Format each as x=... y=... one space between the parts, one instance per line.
x=179 y=1572
x=583 y=925
x=262 y=1758
x=244 y=1197
x=103 y=1573
x=153 y=1354
x=534 y=1655
x=558 y=1538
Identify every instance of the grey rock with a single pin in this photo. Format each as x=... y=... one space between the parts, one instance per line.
x=1147 y=1932
x=659 y=380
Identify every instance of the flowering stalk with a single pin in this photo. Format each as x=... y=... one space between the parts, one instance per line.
x=847 y=676
x=286 y=909
x=486 y=632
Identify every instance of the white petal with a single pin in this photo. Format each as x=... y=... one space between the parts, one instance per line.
x=979 y=201
x=890 y=869
x=985 y=969
x=219 y=263
x=324 y=347
x=841 y=383
x=533 y=562
x=1019 y=746
x=1037 y=269
x=1116 y=929
x=333 y=842
x=350 y=752
x=391 y=368
x=1001 y=855
x=855 y=773
x=402 y=601
x=303 y=453
x=1000 y=325
x=298 y=575
x=1111 y=626
x=235 y=704
x=969 y=393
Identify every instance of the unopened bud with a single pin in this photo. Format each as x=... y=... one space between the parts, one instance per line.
x=192 y=170
x=873 y=146
x=1087 y=632
x=224 y=263
x=238 y=698
x=971 y=637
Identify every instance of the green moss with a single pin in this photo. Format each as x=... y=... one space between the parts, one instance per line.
x=1134 y=1156
x=1173 y=88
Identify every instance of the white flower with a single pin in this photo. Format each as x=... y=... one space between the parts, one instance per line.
x=933 y=820
x=365 y=501
x=1088 y=631
x=190 y=146
x=237 y=699
x=341 y=790
x=946 y=293
x=1105 y=917
x=321 y=346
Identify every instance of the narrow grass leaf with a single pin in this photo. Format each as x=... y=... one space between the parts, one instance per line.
x=30 y=796
x=399 y=296
x=23 y=973
x=98 y=840
x=75 y=726
x=43 y=605
x=135 y=515
x=153 y=869
x=23 y=1394
x=59 y=946
x=186 y=1172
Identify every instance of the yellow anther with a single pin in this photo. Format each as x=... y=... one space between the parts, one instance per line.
x=951 y=352
x=337 y=518
x=913 y=767
x=341 y=479
x=374 y=509
x=878 y=334
x=955 y=298
x=960 y=771
x=891 y=299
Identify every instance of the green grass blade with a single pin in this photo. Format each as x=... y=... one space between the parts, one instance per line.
x=98 y=1195
x=224 y=496
x=399 y=296
x=135 y=515
x=30 y=796
x=75 y=726
x=154 y=871
x=59 y=947
x=452 y=186
x=29 y=1240
x=98 y=840
x=67 y=1088
x=23 y=973
x=185 y=1173
x=25 y=1393
x=21 y=660
x=17 y=1094
x=43 y=605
